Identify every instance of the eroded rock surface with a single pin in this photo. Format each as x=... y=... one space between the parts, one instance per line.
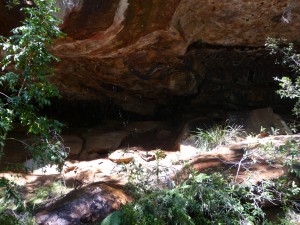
x=137 y=54
x=243 y=23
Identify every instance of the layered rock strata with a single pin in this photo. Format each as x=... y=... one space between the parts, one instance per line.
x=141 y=55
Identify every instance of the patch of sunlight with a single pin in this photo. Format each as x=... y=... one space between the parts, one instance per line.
x=48 y=193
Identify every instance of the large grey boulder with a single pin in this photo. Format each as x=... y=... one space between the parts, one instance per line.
x=83 y=206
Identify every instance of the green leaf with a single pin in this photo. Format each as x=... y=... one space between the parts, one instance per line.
x=113 y=218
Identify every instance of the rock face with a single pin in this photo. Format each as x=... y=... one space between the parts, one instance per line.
x=145 y=55
x=237 y=23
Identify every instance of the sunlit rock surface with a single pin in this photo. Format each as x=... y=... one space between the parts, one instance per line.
x=243 y=23
x=145 y=55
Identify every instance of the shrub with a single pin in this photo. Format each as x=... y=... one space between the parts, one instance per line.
x=24 y=91
x=201 y=199
x=25 y=88
x=289 y=85
x=216 y=198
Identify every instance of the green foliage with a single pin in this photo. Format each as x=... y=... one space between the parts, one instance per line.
x=13 y=219
x=286 y=155
x=113 y=219
x=8 y=219
x=24 y=91
x=48 y=193
x=201 y=199
x=18 y=209
x=25 y=88
x=289 y=86
x=145 y=179
x=216 y=198
x=11 y=201
x=207 y=199
x=207 y=139
x=9 y=194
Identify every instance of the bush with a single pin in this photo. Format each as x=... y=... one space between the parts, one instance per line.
x=24 y=91
x=290 y=85
x=24 y=84
x=216 y=198
x=201 y=199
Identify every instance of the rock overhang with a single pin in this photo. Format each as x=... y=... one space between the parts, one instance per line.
x=137 y=54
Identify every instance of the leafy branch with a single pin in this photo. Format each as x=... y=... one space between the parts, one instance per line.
x=289 y=86
x=24 y=84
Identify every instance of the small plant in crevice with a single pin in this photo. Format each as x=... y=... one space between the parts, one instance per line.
x=147 y=178
x=294 y=126
x=207 y=139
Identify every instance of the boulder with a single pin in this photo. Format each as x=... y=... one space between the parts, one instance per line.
x=265 y=118
x=15 y=151
x=86 y=205
x=104 y=142
x=121 y=156
x=73 y=144
x=186 y=135
x=84 y=155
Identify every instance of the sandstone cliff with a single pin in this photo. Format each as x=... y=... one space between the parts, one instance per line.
x=145 y=55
